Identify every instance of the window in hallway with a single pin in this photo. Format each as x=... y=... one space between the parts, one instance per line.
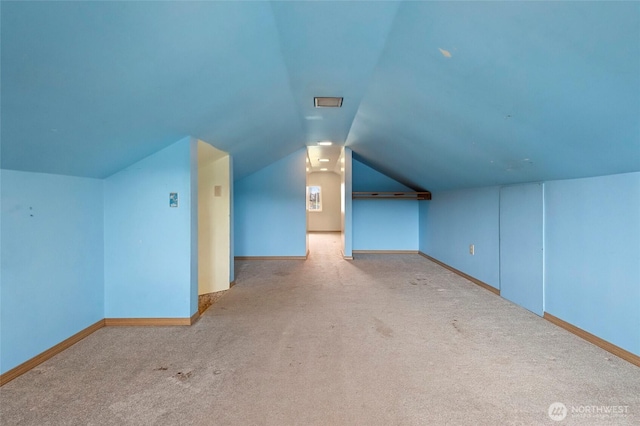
x=314 y=200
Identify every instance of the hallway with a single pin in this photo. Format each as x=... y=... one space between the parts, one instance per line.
x=380 y=340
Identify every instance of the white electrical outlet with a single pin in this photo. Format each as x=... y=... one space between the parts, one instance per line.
x=472 y=249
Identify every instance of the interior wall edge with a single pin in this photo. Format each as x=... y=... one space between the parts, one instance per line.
x=585 y=335
x=271 y=257
x=49 y=353
x=591 y=338
x=105 y=322
x=150 y=322
x=462 y=274
x=385 y=251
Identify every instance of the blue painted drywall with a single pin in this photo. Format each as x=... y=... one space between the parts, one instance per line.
x=52 y=261
x=441 y=94
x=521 y=245
x=232 y=272
x=347 y=203
x=148 y=245
x=269 y=210
x=335 y=62
x=591 y=248
x=454 y=219
x=158 y=51
x=193 y=235
x=382 y=224
x=477 y=94
x=592 y=256
x=366 y=178
x=385 y=225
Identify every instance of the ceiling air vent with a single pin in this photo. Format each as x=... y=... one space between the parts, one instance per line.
x=319 y=102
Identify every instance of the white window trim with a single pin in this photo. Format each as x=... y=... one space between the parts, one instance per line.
x=319 y=209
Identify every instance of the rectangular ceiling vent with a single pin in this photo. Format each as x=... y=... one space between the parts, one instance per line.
x=320 y=102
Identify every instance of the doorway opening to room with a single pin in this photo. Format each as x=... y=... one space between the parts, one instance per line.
x=215 y=262
x=324 y=199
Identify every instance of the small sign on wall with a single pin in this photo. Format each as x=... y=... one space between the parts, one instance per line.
x=173 y=199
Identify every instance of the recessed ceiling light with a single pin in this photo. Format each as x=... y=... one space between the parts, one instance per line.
x=327 y=102
x=323 y=160
x=324 y=169
x=325 y=143
x=307 y=169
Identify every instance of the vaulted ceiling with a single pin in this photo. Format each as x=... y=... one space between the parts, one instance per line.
x=438 y=95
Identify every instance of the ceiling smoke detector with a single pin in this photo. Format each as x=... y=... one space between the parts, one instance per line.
x=320 y=102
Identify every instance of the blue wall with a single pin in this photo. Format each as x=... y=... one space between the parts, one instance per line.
x=591 y=248
x=232 y=272
x=148 y=245
x=592 y=241
x=382 y=224
x=193 y=206
x=270 y=217
x=452 y=220
x=346 y=207
x=52 y=262
x=385 y=225
x=366 y=178
x=521 y=245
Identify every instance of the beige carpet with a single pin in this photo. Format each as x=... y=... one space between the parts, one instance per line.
x=381 y=340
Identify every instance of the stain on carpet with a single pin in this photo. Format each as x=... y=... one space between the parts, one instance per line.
x=206 y=300
x=183 y=376
x=382 y=328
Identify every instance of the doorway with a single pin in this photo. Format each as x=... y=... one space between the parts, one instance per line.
x=215 y=262
x=323 y=205
x=323 y=202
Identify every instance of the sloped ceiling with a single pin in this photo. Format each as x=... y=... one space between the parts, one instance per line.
x=439 y=95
